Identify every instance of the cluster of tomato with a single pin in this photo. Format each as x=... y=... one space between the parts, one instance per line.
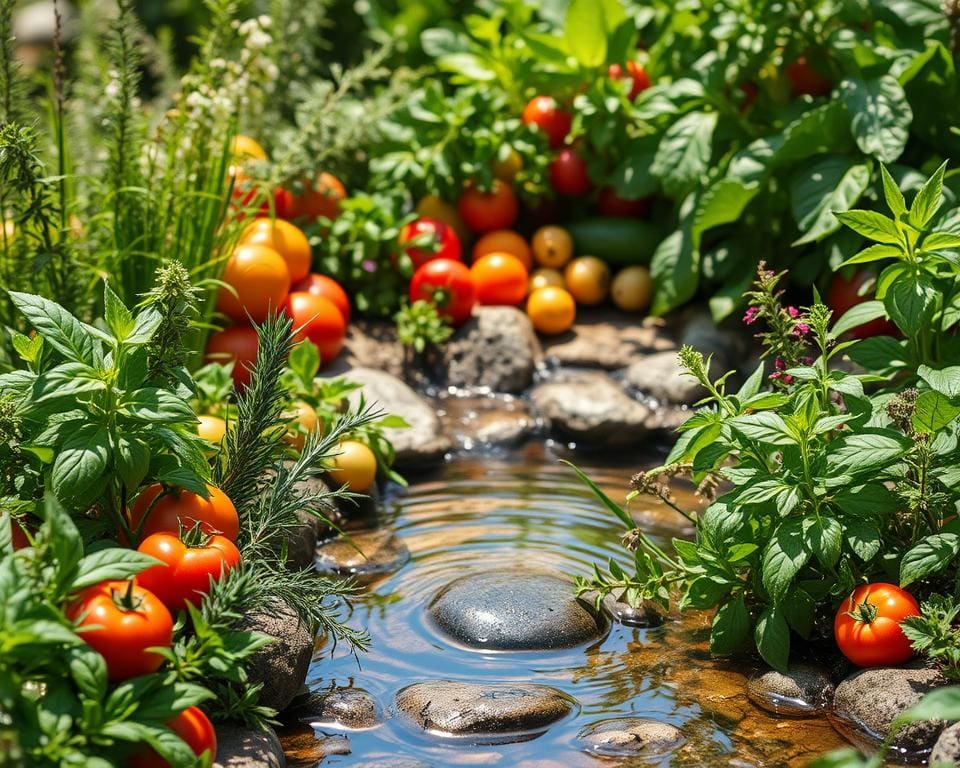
x=129 y=622
x=506 y=269
x=269 y=270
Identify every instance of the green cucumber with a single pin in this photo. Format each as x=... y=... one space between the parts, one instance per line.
x=623 y=242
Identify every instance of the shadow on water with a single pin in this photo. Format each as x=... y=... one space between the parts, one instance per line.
x=523 y=508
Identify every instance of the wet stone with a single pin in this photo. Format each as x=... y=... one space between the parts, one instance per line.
x=346 y=707
x=661 y=376
x=487 y=712
x=242 y=747
x=515 y=611
x=607 y=339
x=624 y=736
x=804 y=691
x=644 y=615
x=365 y=554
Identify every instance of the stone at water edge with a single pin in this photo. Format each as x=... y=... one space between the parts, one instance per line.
x=607 y=339
x=947 y=748
x=365 y=554
x=346 y=707
x=488 y=712
x=496 y=349
x=804 y=691
x=661 y=376
x=515 y=611
x=590 y=408
x=241 y=747
x=423 y=444
x=624 y=736
x=871 y=699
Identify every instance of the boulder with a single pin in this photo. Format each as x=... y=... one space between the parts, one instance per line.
x=588 y=407
x=369 y=344
x=946 y=750
x=871 y=699
x=661 y=376
x=363 y=555
x=607 y=339
x=239 y=746
x=497 y=349
x=487 y=712
x=282 y=665
x=515 y=611
x=346 y=707
x=420 y=446
x=805 y=690
x=624 y=736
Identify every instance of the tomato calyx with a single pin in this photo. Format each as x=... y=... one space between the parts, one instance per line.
x=865 y=613
x=194 y=536
x=439 y=295
x=127 y=601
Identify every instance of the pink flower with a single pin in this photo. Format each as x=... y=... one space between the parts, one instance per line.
x=750 y=316
x=369 y=265
x=801 y=329
x=793 y=312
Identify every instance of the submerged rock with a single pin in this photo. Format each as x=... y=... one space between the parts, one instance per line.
x=241 y=747
x=346 y=707
x=804 y=691
x=588 y=407
x=515 y=611
x=365 y=554
x=871 y=699
x=623 y=736
x=661 y=376
x=487 y=421
x=282 y=665
x=489 y=712
x=496 y=349
x=422 y=445
x=644 y=615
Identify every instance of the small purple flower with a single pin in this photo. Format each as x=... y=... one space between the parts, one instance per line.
x=750 y=316
x=800 y=330
x=793 y=312
x=369 y=265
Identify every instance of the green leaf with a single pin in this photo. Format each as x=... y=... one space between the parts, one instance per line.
x=157 y=405
x=824 y=537
x=857 y=315
x=799 y=609
x=722 y=203
x=865 y=452
x=911 y=303
x=304 y=361
x=932 y=412
x=615 y=508
x=892 y=193
x=931 y=555
x=874 y=253
x=731 y=627
x=705 y=592
x=940 y=241
x=28 y=348
x=81 y=462
x=586 y=30
x=863 y=537
x=773 y=638
x=675 y=271
x=684 y=153
x=765 y=427
x=111 y=564
x=865 y=501
x=785 y=556
x=830 y=184
x=880 y=353
x=118 y=317
x=880 y=116
x=59 y=328
x=145 y=326
x=946 y=380
x=927 y=201
x=89 y=670
x=132 y=460
x=872 y=225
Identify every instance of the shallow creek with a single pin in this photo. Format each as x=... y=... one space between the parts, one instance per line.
x=493 y=512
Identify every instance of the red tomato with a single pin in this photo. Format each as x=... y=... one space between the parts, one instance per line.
x=179 y=508
x=845 y=294
x=805 y=80
x=237 y=345
x=568 y=174
x=187 y=571
x=125 y=620
x=193 y=727
x=448 y=285
x=428 y=239
x=261 y=279
x=640 y=80
x=545 y=113
x=319 y=199
x=18 y=532
x=867 y=625
x=245 y=192
x=286 y=239
x=487 y=211
x=319 y=320
x=321 y=285
x=609 y=203
x=499 y=279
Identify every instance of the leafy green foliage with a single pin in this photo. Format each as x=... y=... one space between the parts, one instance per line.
x=934 y=633
x=420 y=326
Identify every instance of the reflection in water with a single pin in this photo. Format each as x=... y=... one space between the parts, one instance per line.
x=524 y=509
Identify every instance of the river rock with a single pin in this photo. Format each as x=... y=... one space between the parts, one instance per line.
x=515 y=611
x=661 y=376
x=241 y=747
x=872 y=698
x=644 y=615
x=369 y=344
x=607 y=339
x=423 y=444
x=364 y=554
x=496 y=349
x=946 y=750
x=347 y=707
x=805 y=690
x=623 y=736
x=588 y=407
x=282 y=665
x=490 y=712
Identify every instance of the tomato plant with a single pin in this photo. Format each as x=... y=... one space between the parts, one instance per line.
x=424 y=239
x=167 y=510
x=867 y=625
x=318 y=319
x=499 y=278
x=448 y=285
x=806 y=79
x=639 y=79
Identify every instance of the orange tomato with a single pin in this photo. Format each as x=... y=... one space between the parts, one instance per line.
x=238 y=345
x=544 y=277
x=319 y=199
x=551 y=310
x=552 y=246
x=261 y=280
x=487 y=211
x=504 y=241
x=319 y=320
x=587 y=279
x=216 y=515
x=286 y=239
x=499 y=278
x=321 y=285
x=243 y=147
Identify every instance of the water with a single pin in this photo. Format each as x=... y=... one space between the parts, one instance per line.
x=523 y=508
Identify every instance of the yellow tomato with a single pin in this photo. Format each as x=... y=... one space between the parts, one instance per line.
x=211 y=428
x=587 y=279
x=632 y=289
x=507 y=165
x=552 y=246
x=243 y=148
x=303 y=421
x=551 y=310
x=354 y=466
x=544 y=277
x=504 y=241
x=433 y=207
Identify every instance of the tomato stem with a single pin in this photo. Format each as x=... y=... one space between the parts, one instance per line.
x=126 y=601
x=865 y=613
